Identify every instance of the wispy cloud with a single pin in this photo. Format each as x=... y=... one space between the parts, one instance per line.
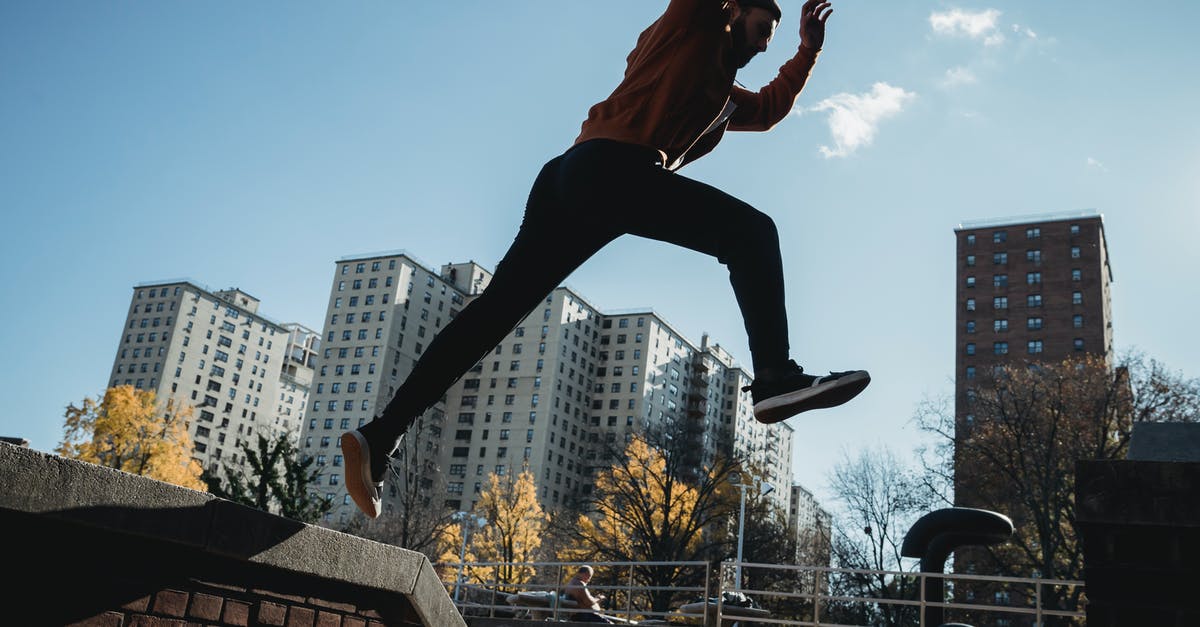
x=1094 y=164
x=854 y=118
x=1024 y=31
x=956 y=76
x=981 y=25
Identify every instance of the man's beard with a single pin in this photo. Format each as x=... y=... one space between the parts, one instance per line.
x=741 y=53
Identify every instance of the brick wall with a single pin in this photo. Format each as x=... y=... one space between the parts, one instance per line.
x=99 y=578
x=86 y=545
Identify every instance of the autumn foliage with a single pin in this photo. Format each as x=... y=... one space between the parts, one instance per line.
x=645 y=508
x=510 y=536
x=129 y=430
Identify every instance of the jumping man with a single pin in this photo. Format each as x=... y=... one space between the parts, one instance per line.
x=677 y=99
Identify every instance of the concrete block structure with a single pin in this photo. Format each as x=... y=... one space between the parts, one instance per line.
x=102 y=547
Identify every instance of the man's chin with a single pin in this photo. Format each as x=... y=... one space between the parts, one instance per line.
x=744 y=58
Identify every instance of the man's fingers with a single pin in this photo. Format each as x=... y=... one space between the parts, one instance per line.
x=814 y=8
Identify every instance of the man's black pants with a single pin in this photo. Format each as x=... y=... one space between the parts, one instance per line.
x=582 y=200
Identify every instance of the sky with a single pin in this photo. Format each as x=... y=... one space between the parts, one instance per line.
x=252 y=145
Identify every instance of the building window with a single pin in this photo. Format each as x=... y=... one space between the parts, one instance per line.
x=970 y=281
x=1035 y=347
x=1000 y=348
x=1033 y=324
x=1078 y=344
x=999 y=237
x=1077 y=298
x=1074 y=252
x=999 y=280
x=971 y=240
x=1033 y=278
x=970 y=260
x=970 y=304
x=1000 y=326
x=1000 y=302
x=1000 y=258
x=970 y=372
x=1076 y=274
x=970 y=348
x=1033 y=300
x=1074 y=229
x=1033 y=233
x=1077 y=321
x=1033 y=256
x=970 y=326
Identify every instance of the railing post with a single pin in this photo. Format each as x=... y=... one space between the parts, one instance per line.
x=720 y=597
x=1037 y=597
x=555 y=599
x=707 y=584
x=495 y=584
x=629 y=594
x=921 y=595
x=817 y=596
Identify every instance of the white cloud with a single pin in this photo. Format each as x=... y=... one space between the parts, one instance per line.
x=854 y=118
x=1095 y=164
x=975 y=25
x=1024 y=30
x=959 y=76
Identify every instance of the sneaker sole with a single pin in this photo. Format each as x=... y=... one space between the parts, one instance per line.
x=831 y=394
x=358 y=484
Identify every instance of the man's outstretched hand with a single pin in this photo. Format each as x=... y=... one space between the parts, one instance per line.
x=812 y=23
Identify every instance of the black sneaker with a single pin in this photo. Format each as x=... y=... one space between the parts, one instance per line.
x=783 y=396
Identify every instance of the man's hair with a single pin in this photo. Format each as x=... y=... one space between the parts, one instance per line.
x=769 y=5
x=584 y=569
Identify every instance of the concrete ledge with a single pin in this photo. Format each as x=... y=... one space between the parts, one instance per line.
x=130 y=511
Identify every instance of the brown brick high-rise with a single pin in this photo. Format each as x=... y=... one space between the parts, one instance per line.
x=1029 y=291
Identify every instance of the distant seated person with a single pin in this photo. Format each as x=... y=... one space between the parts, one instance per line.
x=577 y=591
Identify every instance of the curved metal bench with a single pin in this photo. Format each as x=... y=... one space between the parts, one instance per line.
x=938 y=534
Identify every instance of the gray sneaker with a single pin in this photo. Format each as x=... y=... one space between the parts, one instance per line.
x=792 y=392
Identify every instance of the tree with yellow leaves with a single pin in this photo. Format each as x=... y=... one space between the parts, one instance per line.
x=648 y=508
x=512 y=533
x=129 y=430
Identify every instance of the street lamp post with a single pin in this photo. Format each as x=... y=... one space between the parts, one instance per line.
x=765 y=489
x=467 y=522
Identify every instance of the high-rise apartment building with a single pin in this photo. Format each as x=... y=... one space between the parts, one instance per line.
x=214 y=352
x=812 y=526
x=1029 y=290
x=382 y=312
x=567 y=387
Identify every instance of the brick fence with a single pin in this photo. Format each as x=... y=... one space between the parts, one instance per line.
x=86 y=545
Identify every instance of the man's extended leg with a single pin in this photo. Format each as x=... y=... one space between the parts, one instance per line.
x=623 y=183
x=537 y=261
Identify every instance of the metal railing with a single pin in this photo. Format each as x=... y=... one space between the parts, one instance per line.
x=636 y=592
x=771 y=594
x=805 y=596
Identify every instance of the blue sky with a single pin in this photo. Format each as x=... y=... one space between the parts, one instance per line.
x=252 y=144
